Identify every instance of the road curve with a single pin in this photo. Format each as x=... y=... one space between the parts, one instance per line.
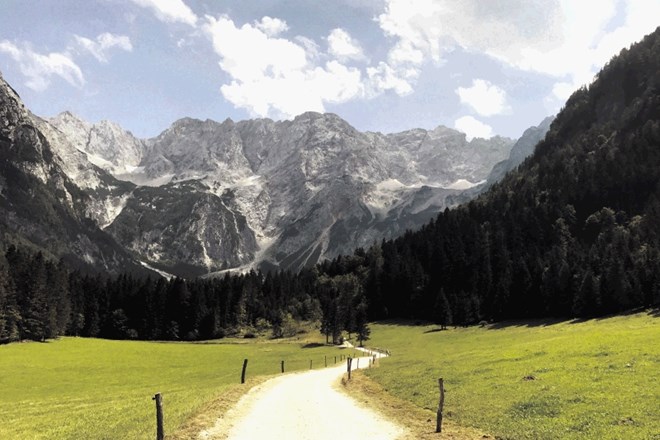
x=301 y=406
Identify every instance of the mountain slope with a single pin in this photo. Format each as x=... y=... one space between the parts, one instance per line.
x=522 y=149
x=39 y=205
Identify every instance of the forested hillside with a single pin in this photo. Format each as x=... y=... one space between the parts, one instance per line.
x=572 y=232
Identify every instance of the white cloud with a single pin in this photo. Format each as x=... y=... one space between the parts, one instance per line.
x=566 y=39
x=473 y=128
x=39 y=68
x=103 y=44
x=272 y=26
x=485 y=98
x=170 y=11
x=312 y=49
x=383 y=78
x=343 y=46
x=276 y=77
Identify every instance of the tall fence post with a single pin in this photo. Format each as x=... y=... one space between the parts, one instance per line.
x=349 y=361
x=325 y=358
x=441 y=403
x=160 y=430
x=358 y=364
x=310 y=364
x=245 y=361
x=282 y=366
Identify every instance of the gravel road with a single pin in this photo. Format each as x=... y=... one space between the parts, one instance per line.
x=302 y=406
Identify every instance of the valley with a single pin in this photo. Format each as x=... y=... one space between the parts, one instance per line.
x=524 y=272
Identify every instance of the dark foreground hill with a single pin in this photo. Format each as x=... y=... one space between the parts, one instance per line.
x=574 y=231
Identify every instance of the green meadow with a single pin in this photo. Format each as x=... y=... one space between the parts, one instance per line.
x=598 y=379
x=75 y=388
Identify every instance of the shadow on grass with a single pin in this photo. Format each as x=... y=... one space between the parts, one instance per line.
x=529 y=323
x=405 y=322
x=655 y=313
x=434 y=330
x=313 y=345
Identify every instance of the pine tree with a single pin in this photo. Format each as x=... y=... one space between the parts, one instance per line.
x=361 y=326
x=59 y=300
x=36 y=323
x=9 y=314
x=443 y=313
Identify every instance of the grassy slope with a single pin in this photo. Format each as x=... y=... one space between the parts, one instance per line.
x=93 y=389
x=598 y=379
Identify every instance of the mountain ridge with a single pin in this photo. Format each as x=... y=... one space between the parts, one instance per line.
x=276 y=175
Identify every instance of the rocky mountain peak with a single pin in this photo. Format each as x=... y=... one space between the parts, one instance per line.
x=12 y=110
x=106 y=144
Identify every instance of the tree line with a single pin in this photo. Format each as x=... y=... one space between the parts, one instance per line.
x=42 y=299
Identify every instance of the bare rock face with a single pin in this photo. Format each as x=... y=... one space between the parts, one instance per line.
x=214 y=195
x=12 y=110
x=183 y=228
x=105 y=144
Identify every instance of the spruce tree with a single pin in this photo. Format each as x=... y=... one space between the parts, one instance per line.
x=443 y=312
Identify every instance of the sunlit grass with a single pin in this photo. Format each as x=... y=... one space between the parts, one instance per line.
x=598 y=379
x=76 y=388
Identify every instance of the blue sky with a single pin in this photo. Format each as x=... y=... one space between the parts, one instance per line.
x=483 y=66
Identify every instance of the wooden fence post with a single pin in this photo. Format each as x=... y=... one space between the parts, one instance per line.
x=282 y=367
x=310 y=364
x=160 y=430
x=325 y=358
x=441 y=403
x=358 y=364
x=243 y=372
x=349 y=361
x=335 y=359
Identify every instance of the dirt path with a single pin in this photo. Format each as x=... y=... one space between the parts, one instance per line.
x=303 y=406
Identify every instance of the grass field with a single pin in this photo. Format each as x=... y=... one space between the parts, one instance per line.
x=76 y=388
x=598 y=379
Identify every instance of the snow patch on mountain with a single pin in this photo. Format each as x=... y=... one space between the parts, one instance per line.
x=463 y=184
x=168 y=276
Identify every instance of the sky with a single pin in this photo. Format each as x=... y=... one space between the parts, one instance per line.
x=484 y=67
